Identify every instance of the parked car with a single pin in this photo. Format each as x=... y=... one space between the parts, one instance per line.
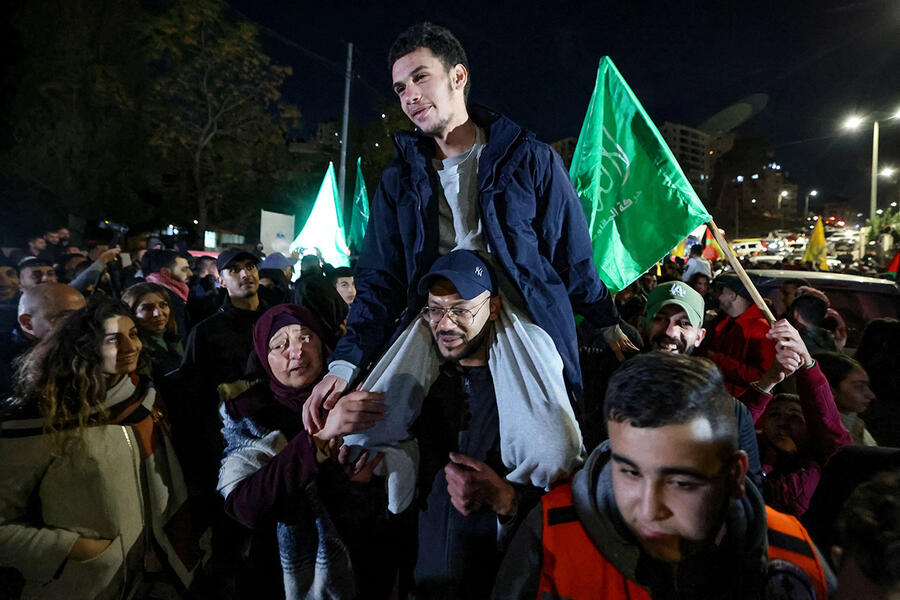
x=767 y=259
x=798 y=245
x=858 y=299
x=748 y=247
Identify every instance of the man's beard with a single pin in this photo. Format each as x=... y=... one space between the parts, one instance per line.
x=470 y=348
x=439 y=130
x=662 y=342
x=441 y=127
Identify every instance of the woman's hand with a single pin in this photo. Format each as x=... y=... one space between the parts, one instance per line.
x=354 y=412
x=324 y=396
x=87 y=548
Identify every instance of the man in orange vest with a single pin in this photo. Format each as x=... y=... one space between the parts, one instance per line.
x=663 y=509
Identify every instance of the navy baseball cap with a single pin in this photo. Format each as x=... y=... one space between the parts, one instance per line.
x=231 y=254
x=464 y=269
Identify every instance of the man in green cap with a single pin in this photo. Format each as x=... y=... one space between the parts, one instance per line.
x=673 y=318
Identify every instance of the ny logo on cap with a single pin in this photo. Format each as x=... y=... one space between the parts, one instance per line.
x=677 y=290
x=479 y=271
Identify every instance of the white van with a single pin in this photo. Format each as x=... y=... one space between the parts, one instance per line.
x=748 y=247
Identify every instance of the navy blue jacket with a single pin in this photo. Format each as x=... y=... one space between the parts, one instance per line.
x=533 y=224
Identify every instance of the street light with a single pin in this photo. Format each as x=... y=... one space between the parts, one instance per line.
x=853 y=122
x=887 y=172
x=812 y=193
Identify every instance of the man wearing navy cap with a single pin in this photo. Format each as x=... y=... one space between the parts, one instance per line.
x=463 y=292
x=466 y=503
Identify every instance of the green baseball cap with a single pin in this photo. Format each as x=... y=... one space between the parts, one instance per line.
x=680 y=293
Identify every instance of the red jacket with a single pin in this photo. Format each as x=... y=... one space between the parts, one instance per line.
x=741 y=349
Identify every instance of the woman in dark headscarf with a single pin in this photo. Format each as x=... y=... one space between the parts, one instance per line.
x=277 y=477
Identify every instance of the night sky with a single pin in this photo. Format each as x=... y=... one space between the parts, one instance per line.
x=536 y=62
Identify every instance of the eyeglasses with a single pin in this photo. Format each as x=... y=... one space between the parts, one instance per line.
x=461 y=316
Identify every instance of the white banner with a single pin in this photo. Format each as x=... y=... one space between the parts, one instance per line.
x=276 y=231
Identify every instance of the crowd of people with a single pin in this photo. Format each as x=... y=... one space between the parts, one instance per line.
x=431 y=423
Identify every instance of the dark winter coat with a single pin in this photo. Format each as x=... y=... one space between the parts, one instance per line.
x=533 y=224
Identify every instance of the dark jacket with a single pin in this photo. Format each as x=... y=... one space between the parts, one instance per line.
x=533 y=224
x=12 y=345
x=216 y=352
x=277 y=492
x=459 y=555
x=316 y=293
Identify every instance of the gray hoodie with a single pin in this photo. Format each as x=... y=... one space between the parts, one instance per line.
x=735 y=568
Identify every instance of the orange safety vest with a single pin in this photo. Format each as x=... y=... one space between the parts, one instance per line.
x=574 y=568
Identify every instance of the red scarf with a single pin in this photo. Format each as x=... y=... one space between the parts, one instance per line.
x=180 y=289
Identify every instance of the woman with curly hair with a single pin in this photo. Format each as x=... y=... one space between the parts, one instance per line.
x=90 y=489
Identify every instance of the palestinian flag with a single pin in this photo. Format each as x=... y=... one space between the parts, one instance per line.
x=894 y=266
x=712 y=251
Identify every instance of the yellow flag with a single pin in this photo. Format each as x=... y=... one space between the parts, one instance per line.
x=815 y=249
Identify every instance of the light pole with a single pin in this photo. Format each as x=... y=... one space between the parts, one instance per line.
x=854 y=122
x=781 y=198
x=812 y=193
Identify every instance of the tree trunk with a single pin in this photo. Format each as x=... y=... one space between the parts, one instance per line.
x=201 y=199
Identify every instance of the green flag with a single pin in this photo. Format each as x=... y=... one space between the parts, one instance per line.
x=323 y=232
x=359 y=218
x=638 y=203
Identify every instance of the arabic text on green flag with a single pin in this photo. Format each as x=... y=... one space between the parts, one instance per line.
x=638 y=202
x=359 y=218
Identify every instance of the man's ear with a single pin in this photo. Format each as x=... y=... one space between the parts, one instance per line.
x=737 y=474
x=495 y=303
x=459 y=75
x=700 y=337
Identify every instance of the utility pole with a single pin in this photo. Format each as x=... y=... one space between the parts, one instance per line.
x=342 y=172
x=873 y=199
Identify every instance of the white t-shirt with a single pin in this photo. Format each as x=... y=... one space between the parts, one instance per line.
x=459 y=220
